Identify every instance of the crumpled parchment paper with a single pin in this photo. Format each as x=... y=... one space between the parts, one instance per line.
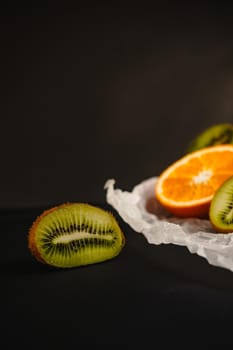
x=144 y=214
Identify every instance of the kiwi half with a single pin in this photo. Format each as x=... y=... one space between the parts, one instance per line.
x=214 y=135
x=75 y=234
x=221 y=207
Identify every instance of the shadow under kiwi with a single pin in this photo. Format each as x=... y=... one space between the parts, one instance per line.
x=180 y=260
x=24 y=266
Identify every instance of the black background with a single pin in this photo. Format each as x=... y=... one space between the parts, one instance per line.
x=97 y=92
x=90 y=93
x=147 y=296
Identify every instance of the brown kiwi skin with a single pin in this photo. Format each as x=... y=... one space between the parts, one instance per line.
x=206 y=137
x=218 y=228
x=32 y=232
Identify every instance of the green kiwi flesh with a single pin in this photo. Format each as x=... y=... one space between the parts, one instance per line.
x=76 y=234
x=221 y=207
x=214 y=135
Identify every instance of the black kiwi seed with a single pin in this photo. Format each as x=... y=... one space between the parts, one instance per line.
x=221 y=207
x=75 y=234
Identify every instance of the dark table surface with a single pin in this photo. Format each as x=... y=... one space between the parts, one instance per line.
x=147 y=295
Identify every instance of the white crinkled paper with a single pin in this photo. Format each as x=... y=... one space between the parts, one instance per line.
x=144 y=214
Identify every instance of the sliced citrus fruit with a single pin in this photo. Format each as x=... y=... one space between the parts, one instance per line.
x=187 y=186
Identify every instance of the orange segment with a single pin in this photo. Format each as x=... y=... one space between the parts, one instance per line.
x=187 y=186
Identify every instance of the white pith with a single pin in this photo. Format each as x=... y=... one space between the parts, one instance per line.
x=69 y=237
x=203 y=176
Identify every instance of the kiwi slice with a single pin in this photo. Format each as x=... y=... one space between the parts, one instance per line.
x=75 y=234
x=221 y=207
x=214 y=135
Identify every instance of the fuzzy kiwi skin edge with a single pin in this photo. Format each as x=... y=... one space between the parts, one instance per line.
x=218 y=203
x=215 y=134
x=94 y=215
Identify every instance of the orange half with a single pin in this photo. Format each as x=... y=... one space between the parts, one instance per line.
x=186 y=187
